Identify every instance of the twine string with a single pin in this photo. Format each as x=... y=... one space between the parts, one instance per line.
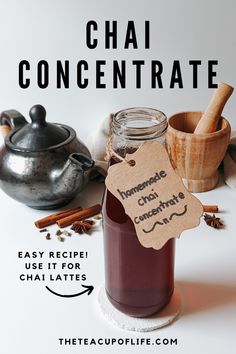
x=110 y=152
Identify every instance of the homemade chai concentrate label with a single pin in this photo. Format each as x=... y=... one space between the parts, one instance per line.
x=153 y=195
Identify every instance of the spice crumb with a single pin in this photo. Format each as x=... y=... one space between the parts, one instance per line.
x=59 y=232
x=48 y=236
x=60 y=238
x=43 y=230
x=67 y=233
x=97 y=217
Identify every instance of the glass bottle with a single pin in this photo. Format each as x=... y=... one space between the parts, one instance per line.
x=139 y=281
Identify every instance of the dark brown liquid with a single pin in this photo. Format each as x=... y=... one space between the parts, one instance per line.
x=139 y=280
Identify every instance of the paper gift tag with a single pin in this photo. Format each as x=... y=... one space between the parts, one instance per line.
x=153 y=195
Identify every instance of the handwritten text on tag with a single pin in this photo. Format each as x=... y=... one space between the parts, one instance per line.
x=153 y=195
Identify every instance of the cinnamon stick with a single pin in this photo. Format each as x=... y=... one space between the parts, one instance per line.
x=210 y=208
x=80 y=215
x=51 y=219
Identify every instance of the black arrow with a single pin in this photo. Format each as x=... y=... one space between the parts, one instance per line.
x=88 y=290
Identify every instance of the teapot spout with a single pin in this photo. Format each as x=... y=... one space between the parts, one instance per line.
x=80 y=161
x=74 y=175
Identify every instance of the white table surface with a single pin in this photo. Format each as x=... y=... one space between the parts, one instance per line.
x=32 y=319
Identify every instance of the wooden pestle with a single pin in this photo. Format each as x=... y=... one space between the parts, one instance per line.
x=210 y=118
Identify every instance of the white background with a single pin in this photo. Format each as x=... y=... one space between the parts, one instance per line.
x=31 y=319
x=55 y=30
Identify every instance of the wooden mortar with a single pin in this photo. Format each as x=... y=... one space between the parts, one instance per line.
x=196 y=157
x=197 y=142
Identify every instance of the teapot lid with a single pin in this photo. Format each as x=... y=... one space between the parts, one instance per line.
x=39 y=135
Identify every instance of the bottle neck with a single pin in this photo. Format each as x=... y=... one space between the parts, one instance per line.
x=133 y=126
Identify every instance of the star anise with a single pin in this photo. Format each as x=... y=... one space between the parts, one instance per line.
x=82 y=227
x=213 y=221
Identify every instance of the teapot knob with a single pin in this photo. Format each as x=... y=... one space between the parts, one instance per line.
x=38 y=115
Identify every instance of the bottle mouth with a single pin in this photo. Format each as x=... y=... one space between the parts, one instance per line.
x=139 y=123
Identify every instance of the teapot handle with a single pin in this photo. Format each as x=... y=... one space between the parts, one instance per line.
x=9 y=120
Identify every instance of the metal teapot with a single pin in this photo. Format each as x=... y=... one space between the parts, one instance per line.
x=42 y=165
